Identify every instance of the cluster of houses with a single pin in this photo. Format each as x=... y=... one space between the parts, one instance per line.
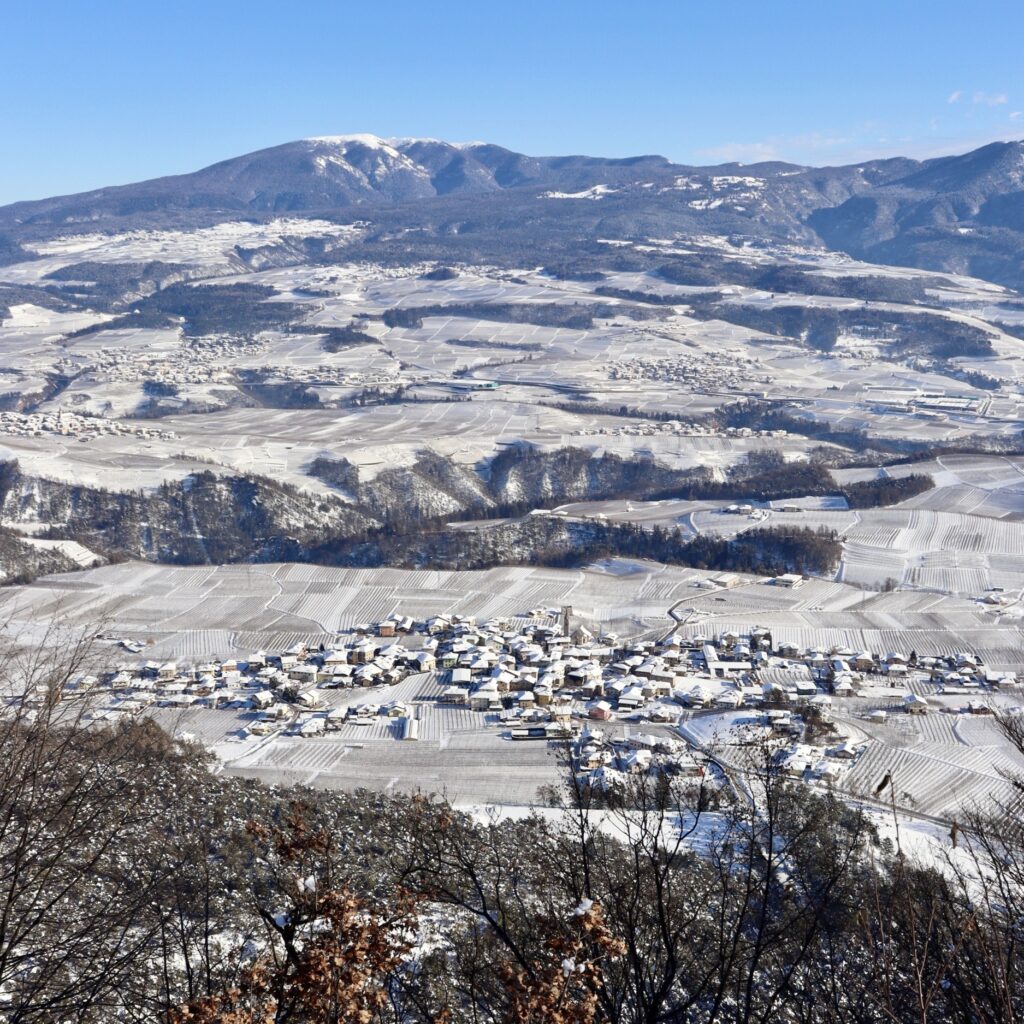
x=283 y=687
x=532 y=663
x=788 y=672
x=541 y=673
x=962 y=673
x=808 y=761
x=678 y=428
x=605 y=763
x=710 y=371
x=750 y=511
x=67 y=424
x=189 y=364
x=536 y=678
x=728 y=580
x=338 y=376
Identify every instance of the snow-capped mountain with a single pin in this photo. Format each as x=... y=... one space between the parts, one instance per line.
x=962 y=213
x=328 y=172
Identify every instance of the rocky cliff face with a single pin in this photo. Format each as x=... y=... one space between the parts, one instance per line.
x=525 y=476
x=515 y=481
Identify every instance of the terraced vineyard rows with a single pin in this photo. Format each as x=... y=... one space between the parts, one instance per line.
x=932 y=783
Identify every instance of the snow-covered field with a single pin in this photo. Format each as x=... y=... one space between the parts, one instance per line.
x=193 y=612
x=103 y=373
x=473 y=385
x=211 y=249
x=220 y=610
x=961 y=538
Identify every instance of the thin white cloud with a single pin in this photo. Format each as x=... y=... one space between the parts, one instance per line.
x=822 y=149
x=990 y=99
x=740 y=152
x=817 y=140
x=955 y=95
x=770 y=149
x=925 y=149
x=1015 y=115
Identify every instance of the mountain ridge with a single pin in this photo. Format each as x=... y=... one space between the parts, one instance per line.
x=962 y=213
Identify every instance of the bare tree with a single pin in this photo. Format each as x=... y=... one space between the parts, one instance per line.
x=80 y=810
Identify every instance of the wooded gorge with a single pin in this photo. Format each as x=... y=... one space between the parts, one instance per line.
x=401 y=516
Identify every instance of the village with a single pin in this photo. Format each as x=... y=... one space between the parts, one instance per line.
x=171 y=358
x=677 y=428
x=73 y=425
x=200 y=360
x=686 y=706
x=708 y=371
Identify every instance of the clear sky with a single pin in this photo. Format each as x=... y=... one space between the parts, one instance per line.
x=101 y=92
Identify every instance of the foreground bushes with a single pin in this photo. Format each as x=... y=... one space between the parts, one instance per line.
x=137 y=886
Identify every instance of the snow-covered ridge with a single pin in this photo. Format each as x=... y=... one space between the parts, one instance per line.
x=597 y=192
x=203 y=247
x=368 y=158
x=362 y=138
x=390 y=142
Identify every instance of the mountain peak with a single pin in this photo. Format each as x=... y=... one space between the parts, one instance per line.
x=359 y=138
x=948 y=212
x=371 y=141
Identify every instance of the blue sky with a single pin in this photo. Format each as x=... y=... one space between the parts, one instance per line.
x=105 y=92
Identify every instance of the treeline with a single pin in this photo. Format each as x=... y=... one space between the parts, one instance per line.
x=595 y=408
x=205 y=518
x=574 y=270
x=866 y=448
x=776 y=480
x=336 y=339
x=19 y=294
x=712 y=270
x=105 y=285
x=142 y=887
x=440 y=274
x=767 y=551
x=867 y=287
x=652 y=298
x=22 y=562
x=12 y=251
x=903 y=333
x=886 y=490
x=578 y=316
x=764 y=551
x=337 y=471
x=512 y=346
x=235 y=309
x=561 y=543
